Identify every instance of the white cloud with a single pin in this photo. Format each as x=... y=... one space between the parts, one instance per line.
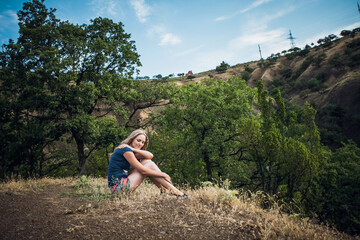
x=188 y=51
x=141 y=9
x=156 y=30
x=12 y=16
x=253 y=5
x=169 y=38
x=7 y=17
x=8 y=20
x=105 y=7
x=257 y=38
x=165 y=37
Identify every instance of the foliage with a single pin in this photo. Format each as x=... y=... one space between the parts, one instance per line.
x=286 y=72
x=55 y=78
x=304 y=65
x=335 y=60
x=353 y=52
x=222 y=67
x=199 y=134
x=336 y=194
x=331 y=120
x=318 y=59
x=94 y=189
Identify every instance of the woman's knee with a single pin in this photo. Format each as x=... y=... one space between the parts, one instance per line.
x=149 y=163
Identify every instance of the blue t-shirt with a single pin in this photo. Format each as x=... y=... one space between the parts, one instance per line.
x=117 y=165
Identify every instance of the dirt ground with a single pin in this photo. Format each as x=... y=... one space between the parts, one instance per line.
x=53 y=214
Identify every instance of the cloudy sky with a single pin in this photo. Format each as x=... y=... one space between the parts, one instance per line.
x=175 y=36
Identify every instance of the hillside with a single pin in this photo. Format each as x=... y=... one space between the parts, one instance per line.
x=83 y=209
x=327 y=76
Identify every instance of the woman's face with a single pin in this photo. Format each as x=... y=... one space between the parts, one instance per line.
x=139 y=141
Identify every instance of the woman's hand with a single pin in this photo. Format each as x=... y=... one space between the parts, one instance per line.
x=124 y=146
x=167 y=177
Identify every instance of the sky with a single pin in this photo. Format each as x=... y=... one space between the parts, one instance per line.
x=176 y=36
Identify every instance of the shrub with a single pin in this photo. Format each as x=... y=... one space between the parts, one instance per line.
x=318 y=59
x=321 y=76
x=313 y=84
x=245 y=75
x=354 y=59
x=304 y=93
x=305 y=64
x=335 y=60
x=300 y=84
x=223 y=67
x=248 y=69
x=353 y=44
x=286 y=72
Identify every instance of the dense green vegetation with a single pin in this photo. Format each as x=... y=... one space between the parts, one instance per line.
x=67 y=98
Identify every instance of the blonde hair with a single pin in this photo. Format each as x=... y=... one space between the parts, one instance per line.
x=133 y=135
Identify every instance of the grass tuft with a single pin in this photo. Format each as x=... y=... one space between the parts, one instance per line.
x=20 y=185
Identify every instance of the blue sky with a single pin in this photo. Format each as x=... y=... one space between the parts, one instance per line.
x=174 y=36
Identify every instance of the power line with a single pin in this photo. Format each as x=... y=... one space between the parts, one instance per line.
x=292 y=42
x=260 y=52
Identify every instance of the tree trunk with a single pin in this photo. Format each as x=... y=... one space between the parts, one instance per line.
x=208 y=165
x=4 y=168
x=80 y=152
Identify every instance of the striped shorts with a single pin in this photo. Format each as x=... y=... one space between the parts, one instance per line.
x=122 y=186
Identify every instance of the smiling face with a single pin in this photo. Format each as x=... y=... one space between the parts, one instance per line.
x=138 y=141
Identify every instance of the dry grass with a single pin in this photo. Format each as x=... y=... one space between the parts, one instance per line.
x=21 y=185
x=272 y=224
x=209 y=203
x=244 y=209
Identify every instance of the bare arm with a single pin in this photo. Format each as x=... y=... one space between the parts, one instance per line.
x=139 y=154
x=130 y=157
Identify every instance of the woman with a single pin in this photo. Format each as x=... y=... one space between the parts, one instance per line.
x=132 y=155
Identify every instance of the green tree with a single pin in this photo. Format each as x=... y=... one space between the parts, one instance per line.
x=199 y=134
x=67 y=78
x=222 y=67
x=336 y=194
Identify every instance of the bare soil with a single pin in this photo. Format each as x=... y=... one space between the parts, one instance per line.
x=53 y=213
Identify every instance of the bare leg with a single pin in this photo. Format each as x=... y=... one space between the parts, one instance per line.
x=159 y=181
x=136 y=179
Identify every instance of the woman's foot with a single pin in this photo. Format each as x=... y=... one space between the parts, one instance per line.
x=182 y=195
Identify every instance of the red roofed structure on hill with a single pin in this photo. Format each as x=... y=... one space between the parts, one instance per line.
x=189 y=73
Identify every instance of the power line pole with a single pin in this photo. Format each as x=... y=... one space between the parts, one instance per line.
x=260 y=52
x=292 y=42
x=358 y=7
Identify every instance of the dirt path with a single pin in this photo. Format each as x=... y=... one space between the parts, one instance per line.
x=51 y=214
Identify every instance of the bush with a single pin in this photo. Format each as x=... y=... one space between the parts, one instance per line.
x=336 y=195
x=354 y=60
x=305 y=64
x=353 y=44
x=248 y=69
x=313 y=84
x=335 y=60
x=321 y=76
x=286 y=72
x=300 y=84
x=318 y=59
x=223 y=67
x=245 y=75
x=304 y=93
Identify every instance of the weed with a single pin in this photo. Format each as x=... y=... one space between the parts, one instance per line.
x=91 y=189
